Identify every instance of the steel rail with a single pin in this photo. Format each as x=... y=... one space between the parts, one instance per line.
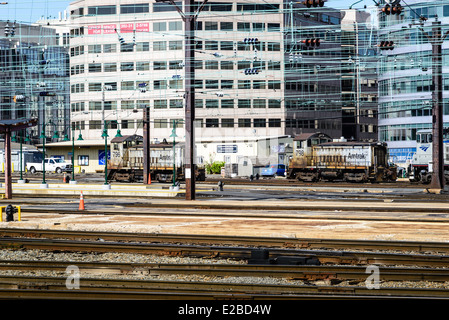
x=255 y=242
x=13 y=287
x=297 y=272
x=324 y=257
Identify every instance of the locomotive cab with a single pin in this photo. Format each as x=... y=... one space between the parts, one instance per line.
x=119 y=150
x=421 y=167
x=303 y=154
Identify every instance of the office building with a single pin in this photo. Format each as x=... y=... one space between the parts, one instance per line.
x=405 y=75
x=34 y=79
x=249 y=79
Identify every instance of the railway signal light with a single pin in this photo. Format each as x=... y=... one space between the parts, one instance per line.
x=18 y=97
x=311 y=42
x=396 y=9
x=251 y=40
x=313 y=3
x=250 y=71
x=392 y=9
x=386 y=45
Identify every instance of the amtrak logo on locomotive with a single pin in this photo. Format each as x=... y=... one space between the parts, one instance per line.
x=358 y=156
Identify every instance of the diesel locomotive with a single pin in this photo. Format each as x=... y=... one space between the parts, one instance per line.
x=126 y=163
x=316 y=157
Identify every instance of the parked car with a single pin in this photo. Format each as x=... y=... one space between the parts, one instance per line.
x=273 y=170
x=51 y=164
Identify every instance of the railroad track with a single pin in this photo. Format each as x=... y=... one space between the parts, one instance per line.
x=344 y=272
x=213 y=247
x=243 y=241
x=148 y=288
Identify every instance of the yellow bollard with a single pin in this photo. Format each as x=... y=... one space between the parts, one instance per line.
x=19 y=213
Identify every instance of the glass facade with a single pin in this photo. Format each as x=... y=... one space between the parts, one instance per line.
x=405 y=75
x=34 y=78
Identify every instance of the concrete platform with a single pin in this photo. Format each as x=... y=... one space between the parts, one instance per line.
x=113 y=190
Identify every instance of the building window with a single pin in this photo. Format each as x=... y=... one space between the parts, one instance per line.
x=211 y=103
x=226 y=45
x=134 y=8
x=211 y=123
x=142 y=66
x=274 y=84
x=227 y=103
x=83 y=160
x=160 y=65
x=258 y=26
x=211 y=65
x=198 y=84
x=260 y=123
x=259 y=103
x=160 y=104
x=160 y=26
x=175 y=65
x=160 y=84
x=210 y=25
x=227 y=123
x=227 y=65
x=110 y=67
x=198 y=103
x=244 y=123
x=175 y=84
x=244 y=26
x=94 y=67
x=211 y=84
x=274 y=27
x=224 y=26
x=108 y=48
x=227 y=84
x=95 y=86
x=101 y=10
x=160 y=45
x=127 y=85
x=274 y=123
x=95 y=124
x=127 y=104
x=94 y=48
x=274 y=46
x=211 y=45
x=175 y=45
x=127 y=124
x=112 y=85
x=175 y=25
x=176 y=103
x=244 y=103
x=160 y=123
x=142 y=46
x=259 y=84
x=274 y=103
x=127 y=66
x=274 y=65
x=244 y=84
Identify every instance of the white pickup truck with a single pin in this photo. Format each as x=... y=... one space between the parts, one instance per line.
x=51 y=164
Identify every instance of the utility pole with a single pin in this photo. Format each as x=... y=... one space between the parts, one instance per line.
x=189 y=17
x=189 y=21
x=146 y=145
x=438 y=180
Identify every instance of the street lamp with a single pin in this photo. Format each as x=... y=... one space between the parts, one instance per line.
x=43 y=137
x=105 y=136
x=21 y=140
x=44 y=184
x=173 y=135
x=66 y=138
